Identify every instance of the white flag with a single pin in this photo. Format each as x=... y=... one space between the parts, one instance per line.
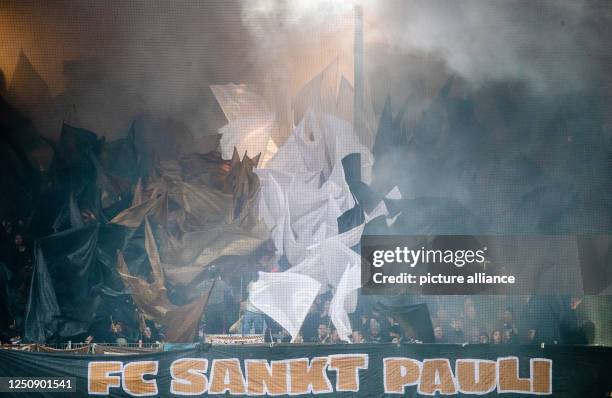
x=285 y=297
x=345 y=301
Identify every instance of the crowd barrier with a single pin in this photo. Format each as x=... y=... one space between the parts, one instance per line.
x=93 y=348
x=131 y=348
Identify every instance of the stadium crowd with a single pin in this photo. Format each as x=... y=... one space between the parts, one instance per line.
x=455 y=319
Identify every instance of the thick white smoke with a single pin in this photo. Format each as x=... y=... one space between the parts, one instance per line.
x=549 y=43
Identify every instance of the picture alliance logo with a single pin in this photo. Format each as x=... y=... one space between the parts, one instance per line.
x=412 y=257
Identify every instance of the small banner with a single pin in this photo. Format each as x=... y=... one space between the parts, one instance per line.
x=114 y=349
x=82 y=349
x=234 y=339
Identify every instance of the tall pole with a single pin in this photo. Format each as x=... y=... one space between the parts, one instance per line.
x=358 y=106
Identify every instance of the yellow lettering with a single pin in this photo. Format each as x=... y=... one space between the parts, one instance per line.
x=399 y=373
x=188 y=376
x=99 y=379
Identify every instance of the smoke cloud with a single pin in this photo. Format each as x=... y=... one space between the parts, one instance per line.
x=160 y=57
x=529 y=69
x=107 y=62
x=552 y=45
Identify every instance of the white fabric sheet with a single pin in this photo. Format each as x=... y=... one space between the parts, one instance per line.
x=285 y=297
